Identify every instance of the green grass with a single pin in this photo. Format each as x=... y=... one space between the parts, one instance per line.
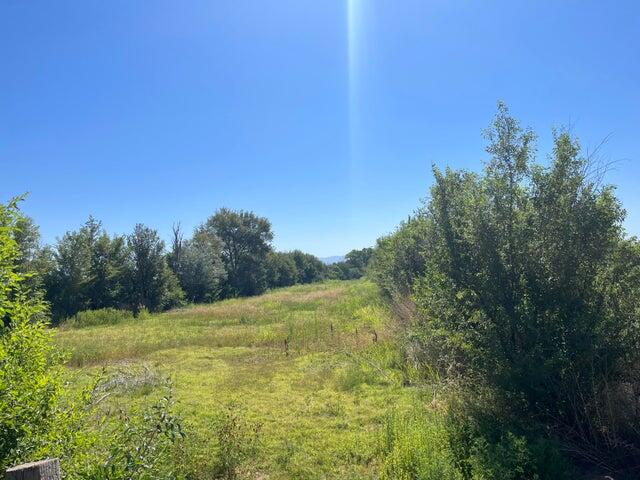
x=315 y=367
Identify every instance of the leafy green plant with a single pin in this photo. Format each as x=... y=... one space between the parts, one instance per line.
x=30 y=366
x=487 y=443
x=140 y=447
x=237 y=441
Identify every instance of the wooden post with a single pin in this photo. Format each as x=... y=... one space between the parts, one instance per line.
x=43 y=470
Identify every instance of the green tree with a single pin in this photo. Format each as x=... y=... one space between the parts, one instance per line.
x=106 y=280
x=359 y=259
x=35 y=260
x=27 y=236
x=281 y=270
x=87 y=271
x=246 y=242
x=354 y=265
x=152 y=284
x=66 y=285
x=197 y=264
x=310 y=268
x=399 y=259
x=201 y=271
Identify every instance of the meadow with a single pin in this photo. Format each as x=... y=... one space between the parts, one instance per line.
x=307 y=377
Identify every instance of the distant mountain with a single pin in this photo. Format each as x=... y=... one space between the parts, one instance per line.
x=334 y=259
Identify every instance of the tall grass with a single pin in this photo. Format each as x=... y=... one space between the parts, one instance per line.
x=415 y=446
x=313 y=365
x=93 y=318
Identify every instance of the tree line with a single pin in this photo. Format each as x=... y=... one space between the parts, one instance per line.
x=228 y=255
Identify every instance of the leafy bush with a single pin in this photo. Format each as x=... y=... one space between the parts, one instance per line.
x=139 y=447
x=526 y=285
x=399 y=259
x=30 y=371
x=281 y=269
x=103 y=316
x=487 y=443
x=309 y=267
x=238 y=441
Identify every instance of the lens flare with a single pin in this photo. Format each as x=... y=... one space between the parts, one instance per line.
x=354 y=12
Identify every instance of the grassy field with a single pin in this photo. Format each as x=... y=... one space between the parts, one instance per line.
x=313 y=368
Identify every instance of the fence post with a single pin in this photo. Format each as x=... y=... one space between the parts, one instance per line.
x=43 y=470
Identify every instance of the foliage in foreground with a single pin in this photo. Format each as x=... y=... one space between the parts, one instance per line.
x=37 y=418
x=143 y=446
x=30 y=372
x=526 y=287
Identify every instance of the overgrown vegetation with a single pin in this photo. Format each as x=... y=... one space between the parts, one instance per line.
x=519 y=285
x=296 y=383
x=415 y=445
x=30 y=373
x=40 y=418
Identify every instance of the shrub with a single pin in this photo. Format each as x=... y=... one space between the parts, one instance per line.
x=399 y=259
x=30 y=367
x=526 y=285
x=139 y=447
x=281 y=269
x=354 y=265
x=487 y=443
x=309 y=268
x=103 y=316
x=238 y=440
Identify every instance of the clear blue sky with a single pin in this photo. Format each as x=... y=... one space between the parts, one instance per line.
x=324 y=116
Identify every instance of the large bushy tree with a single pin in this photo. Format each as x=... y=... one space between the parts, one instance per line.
x=107 y=273
x=246 y=242
x=528 y=287
x=198 y=264
x=281 y=270
x=399 y=259
x=34 y=260
x=66 y=285
x=152 y=284
x=88 y=270
x=201 y=271
x=309 y=267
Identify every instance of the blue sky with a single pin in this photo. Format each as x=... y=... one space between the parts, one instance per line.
x=324 y=116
